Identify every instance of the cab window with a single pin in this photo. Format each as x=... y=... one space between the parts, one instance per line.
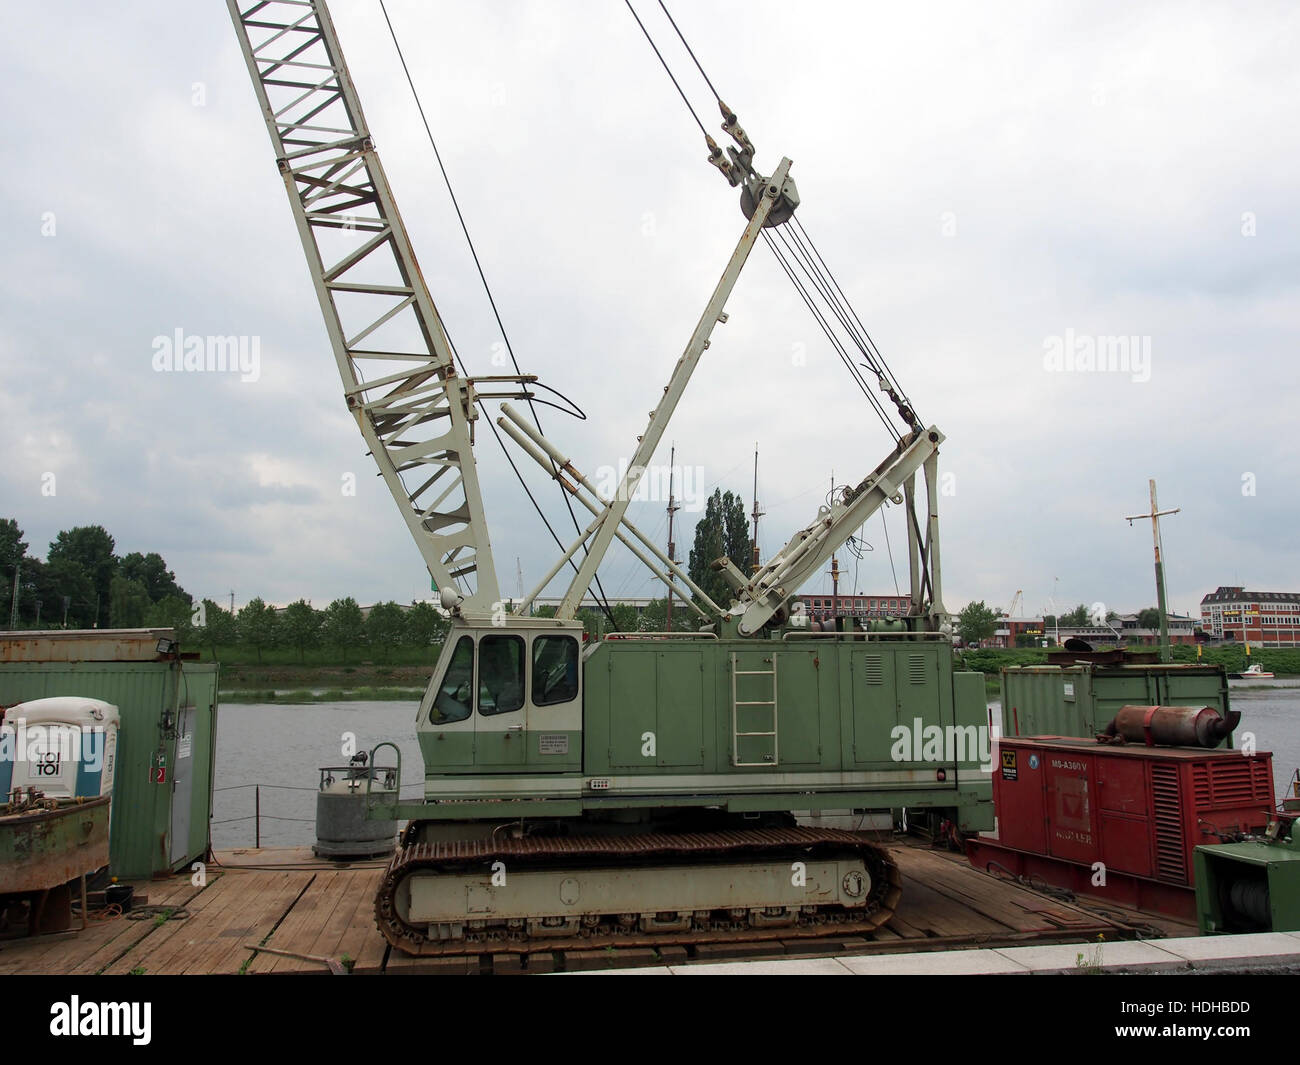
x=453 y=699
x=500 y=674
x=555 y=670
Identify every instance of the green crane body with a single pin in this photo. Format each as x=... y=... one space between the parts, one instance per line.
x=689 y=720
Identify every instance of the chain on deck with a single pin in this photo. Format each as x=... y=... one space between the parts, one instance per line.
x=614 y=850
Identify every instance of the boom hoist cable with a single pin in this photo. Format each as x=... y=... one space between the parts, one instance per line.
x=799 y=254
x=529 y=399
x=806 y=268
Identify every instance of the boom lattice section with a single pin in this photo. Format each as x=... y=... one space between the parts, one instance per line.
x=399 y=378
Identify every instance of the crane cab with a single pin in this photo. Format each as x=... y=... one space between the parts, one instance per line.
x=504 y=698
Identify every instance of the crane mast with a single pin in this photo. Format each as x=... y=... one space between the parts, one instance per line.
x=414 y=410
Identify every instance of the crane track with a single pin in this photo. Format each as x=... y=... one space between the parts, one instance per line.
x=614 y=851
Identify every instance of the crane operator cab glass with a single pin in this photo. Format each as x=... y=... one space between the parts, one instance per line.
x=507 y=698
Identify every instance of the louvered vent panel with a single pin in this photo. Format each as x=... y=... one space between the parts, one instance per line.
x=1201 y=784
x=875 y=669
x=1170 y=858
x=1231 y=783
x=916 y=669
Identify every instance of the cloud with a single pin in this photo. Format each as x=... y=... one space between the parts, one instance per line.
x=1097 y=167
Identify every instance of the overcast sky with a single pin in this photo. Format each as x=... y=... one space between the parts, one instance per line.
x=990 y=183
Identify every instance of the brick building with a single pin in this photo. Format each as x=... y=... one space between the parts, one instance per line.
x=1267 y=619
x=821 y=606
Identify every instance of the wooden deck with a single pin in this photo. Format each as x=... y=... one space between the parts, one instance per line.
x=316 y=912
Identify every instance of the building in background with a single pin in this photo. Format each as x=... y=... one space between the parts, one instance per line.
x=821 y=606
x=1268 y=619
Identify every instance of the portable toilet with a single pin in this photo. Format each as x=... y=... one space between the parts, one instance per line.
x=64 y=746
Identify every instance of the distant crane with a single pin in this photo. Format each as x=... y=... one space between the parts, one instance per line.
x=1017 y=601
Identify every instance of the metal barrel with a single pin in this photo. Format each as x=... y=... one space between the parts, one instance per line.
x=1170 y=726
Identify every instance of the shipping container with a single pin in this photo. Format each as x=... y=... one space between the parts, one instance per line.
x=1081 y=699
x=162 y=797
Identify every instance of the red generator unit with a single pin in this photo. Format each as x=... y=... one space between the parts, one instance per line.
x=1119 y=822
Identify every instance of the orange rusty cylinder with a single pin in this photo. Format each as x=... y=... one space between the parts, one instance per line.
x=1170 y=726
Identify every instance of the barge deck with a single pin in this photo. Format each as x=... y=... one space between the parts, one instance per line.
x=315 y=916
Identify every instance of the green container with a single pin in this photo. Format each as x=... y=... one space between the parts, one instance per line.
x=162 y=793
x=1248 y=887
x=1081 y=700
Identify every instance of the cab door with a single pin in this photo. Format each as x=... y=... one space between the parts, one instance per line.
x=501 y=708
x=554 y=726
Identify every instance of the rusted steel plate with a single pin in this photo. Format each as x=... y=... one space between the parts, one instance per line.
x=42 y=849
x=89 y=645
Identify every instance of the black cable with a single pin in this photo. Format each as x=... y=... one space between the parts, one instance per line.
x=667 y=70
x=692 y=54
x=820 y=282
x=495 y=313
x=881 y=413
x=890 y=550
x=879 y=357
x=839 y=306
x=520 y=477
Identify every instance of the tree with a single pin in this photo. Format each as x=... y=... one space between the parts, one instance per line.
x=976 y=622
x=385 y=628
x=425 y=627
x=128 y=602
x=59 y=579
x=300 y=627
x=593 y=624
x=344 y=628
x=654 y=618
x=1077 y=618
x=218 y=628
x=722 y=531
x=1149 y=618
x=258 y=626
x=152 y=572
x=625 y=617
x=13 y=556
x=91 y=548
x=176 y=613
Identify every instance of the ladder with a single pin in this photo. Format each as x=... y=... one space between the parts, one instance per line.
x=737 y=735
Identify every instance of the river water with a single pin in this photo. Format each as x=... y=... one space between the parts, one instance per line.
x=281 y=747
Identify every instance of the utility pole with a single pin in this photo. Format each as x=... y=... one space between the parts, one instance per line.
x=1166 y=655
x=754 y=560
x=673 y=508
x=232 y=602
x=13 y=612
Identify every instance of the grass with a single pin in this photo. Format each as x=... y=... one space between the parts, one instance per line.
x=1090 y=965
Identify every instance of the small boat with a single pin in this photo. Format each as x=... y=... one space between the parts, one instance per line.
x=1255 y=672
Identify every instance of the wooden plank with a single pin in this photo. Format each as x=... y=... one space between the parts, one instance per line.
x=88 y=951
x=241 y=907
x=228 y=951
x=183 y=893
x=300 y=928
x=361 y=940
x=315 y=926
